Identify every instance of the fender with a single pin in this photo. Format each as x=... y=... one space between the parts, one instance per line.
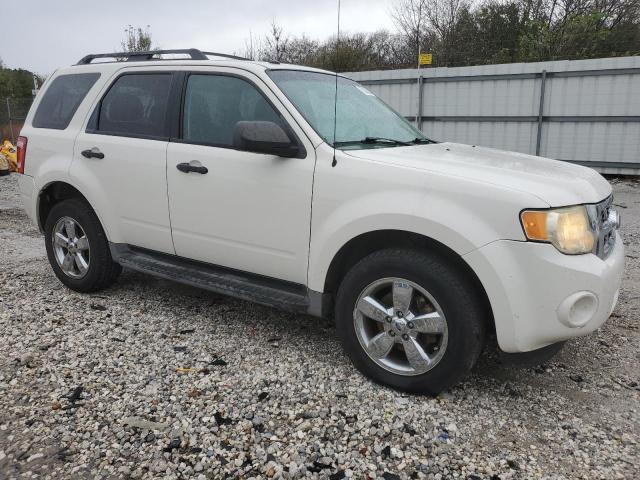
x=36 y=202
x=461 y=214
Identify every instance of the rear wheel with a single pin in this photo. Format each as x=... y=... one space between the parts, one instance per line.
x=410 y=320
x=77 y=247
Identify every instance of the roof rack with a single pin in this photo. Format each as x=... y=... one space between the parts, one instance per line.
x=194 y=53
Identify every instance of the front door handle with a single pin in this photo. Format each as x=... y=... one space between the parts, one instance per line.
x=187 y=167
x=92 y=153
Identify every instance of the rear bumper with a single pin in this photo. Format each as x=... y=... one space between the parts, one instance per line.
x=26 y=186
x=540 y=296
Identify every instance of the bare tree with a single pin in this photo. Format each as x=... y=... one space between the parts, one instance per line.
x=275 y=44
x=430 y=25
x=252 y=47
x=409 y=17
x=302 y=50
x=136 y=39
x=443 y=15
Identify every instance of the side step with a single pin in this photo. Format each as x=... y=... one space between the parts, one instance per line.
x=247 y=286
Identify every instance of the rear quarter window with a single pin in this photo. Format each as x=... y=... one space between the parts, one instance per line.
x=62 y=99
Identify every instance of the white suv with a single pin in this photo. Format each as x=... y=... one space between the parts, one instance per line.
x=234 y=176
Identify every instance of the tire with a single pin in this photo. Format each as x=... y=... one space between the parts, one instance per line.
x=439 y=290
x=100 y=269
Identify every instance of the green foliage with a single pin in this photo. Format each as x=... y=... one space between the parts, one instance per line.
x=497 y=31
x=136 y=39
x=15 y=83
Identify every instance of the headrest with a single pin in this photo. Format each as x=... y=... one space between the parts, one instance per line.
x=125 y=107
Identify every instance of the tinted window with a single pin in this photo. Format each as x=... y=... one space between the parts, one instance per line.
x=136 y=105
x=213 y=105
x=62 y=99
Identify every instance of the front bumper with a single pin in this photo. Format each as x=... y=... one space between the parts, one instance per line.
x=540 y=296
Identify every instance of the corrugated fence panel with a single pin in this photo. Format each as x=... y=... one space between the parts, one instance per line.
x=592 y=141
x=516 y=136
x=480 y=98
x=397 y=96
x=590 y=110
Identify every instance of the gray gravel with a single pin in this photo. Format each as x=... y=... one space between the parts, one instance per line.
x=154 y=379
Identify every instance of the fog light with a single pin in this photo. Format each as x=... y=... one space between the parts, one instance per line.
x=578 y=309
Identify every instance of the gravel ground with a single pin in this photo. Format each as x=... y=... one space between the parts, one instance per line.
x=151 y=378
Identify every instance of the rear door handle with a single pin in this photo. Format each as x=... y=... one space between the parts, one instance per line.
x=92 y=153
x=187 y=167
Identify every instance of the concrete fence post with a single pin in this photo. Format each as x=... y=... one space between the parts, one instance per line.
x=13 y=138
x=420 y=97
x=543 y=81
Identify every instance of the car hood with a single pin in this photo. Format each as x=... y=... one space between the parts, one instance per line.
x=556 y=183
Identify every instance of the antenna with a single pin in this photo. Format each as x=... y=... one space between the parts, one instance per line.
x=335 y=103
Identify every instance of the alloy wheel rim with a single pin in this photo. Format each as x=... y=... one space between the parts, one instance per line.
x=71 y=247
x=400 y=326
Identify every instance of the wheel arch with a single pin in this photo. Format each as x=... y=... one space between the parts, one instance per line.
x=364 y=244
x=51 y=194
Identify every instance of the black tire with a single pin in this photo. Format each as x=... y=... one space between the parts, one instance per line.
x=102 y=271
x=458 y=296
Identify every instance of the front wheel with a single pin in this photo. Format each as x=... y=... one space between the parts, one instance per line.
x=410 y=320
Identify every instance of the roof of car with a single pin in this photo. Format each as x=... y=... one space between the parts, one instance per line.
x=191 y=57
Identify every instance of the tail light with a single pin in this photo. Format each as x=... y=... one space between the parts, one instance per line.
x=21 y=147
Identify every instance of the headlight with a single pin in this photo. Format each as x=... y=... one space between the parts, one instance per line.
x=568 y=229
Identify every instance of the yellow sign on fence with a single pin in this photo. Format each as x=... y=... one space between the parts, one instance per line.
x=425 y=59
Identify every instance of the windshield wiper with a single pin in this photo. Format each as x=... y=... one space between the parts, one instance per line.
x=383 y=140
x=419 y=140
x=373 y=140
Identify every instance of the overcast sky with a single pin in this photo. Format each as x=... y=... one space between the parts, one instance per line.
x=41 y=35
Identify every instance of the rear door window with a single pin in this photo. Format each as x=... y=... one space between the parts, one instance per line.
x=136 y=106
x=62 y=99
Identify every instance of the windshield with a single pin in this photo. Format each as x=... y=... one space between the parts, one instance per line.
x=364 y=121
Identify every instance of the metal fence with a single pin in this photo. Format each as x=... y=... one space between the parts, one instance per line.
x=581 y=111
x=13 y=112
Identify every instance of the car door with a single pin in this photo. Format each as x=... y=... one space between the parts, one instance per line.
x=250 y=211
x=120 y=159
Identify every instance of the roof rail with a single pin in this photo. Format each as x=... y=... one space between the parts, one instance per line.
x=194 y=53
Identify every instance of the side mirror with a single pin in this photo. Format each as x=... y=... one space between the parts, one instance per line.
x=264 y=137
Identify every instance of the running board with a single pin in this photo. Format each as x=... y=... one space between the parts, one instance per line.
x=247 y=286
